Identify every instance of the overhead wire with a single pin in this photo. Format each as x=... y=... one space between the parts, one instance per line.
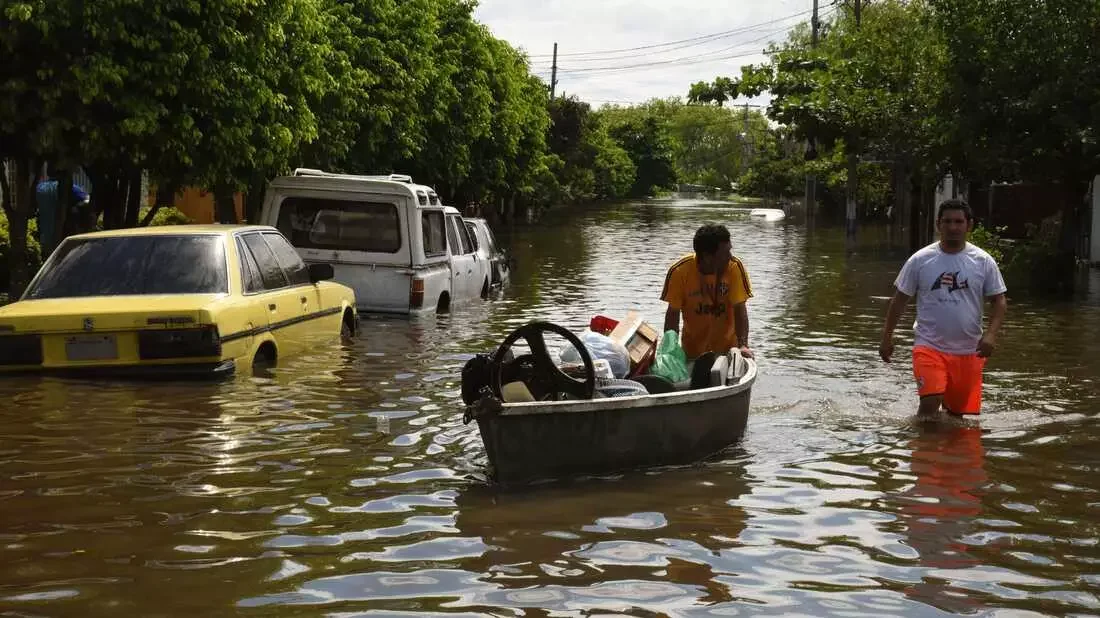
x=672 y=45
x=711 y=56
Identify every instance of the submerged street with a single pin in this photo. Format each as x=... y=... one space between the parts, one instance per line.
x=349 y=484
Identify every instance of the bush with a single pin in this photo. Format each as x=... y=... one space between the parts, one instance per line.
x=1035 y=263
x=167 y=215
x=990 y=241
x=34 y=251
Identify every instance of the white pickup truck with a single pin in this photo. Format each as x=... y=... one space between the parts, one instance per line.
x=392 y=241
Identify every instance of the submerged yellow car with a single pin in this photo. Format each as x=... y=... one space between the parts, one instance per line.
x=173 y=300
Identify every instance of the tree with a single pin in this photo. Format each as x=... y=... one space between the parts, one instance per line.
x=871 y=91
x=1023 y=81
x=197 y=93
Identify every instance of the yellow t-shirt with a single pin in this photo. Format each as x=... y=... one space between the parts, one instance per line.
x=708 y=324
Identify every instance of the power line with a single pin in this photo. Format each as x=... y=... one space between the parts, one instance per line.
x=694 y=40
x=711 y=56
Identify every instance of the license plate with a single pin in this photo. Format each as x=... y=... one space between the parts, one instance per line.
x=91 y=347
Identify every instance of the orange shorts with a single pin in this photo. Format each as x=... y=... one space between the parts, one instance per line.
x=957 y=377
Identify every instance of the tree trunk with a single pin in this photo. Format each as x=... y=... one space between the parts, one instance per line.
x=165 y=198
x=853 y=186
x=1064 y=268
x=17 y=207
x=913 y=210
x=64 y=205
x=225 y=210
x=134 y=199
x=108 y=197
x=254 y=200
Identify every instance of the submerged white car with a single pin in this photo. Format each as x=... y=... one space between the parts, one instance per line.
x=491 y=251
x=389 y=239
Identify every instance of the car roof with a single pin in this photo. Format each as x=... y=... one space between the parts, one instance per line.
x=177 y=230
x=320 y=179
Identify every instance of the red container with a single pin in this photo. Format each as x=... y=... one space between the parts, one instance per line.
x=602 y=324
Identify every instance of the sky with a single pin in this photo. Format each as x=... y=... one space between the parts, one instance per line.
x=681 y=41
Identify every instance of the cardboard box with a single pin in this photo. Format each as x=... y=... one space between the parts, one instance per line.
x=640 y=340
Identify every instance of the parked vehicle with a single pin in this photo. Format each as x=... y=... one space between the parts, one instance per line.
x=389 y=239
x=490 y=251
x=173 y=300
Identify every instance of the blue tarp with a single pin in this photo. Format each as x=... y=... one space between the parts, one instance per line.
x=46 y=199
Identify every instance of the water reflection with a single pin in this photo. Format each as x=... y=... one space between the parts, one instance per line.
x=347 y=484
x=938 y=509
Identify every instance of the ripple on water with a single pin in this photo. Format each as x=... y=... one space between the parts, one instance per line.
x=347 y=483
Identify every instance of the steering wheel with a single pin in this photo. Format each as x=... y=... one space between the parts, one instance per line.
x=549 y=379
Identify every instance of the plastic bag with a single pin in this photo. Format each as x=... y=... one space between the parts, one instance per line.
x=670 y=362
x=601 y=346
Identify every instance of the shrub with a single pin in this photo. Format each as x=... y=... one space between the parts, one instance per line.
x=34 y=251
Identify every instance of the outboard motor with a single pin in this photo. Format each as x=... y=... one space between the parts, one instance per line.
x=476 y=374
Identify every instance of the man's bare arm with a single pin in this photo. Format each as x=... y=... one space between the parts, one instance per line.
x=741 y=323
x=893 y=315
x=988 y=342
x=997 y=315
x=672 y=320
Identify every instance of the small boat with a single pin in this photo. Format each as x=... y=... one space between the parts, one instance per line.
x=568 y=431
x=768 y=214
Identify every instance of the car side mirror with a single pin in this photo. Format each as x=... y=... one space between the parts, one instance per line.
x=320 y=272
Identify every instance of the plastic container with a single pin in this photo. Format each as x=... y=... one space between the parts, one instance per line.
x=603 y=368
x=603 y=324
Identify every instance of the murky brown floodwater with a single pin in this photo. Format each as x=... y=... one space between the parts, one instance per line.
x=349 y=486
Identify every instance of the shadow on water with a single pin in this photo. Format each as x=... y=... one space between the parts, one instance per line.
x=347 y=483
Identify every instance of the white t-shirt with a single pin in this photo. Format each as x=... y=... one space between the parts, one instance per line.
x=950 y=290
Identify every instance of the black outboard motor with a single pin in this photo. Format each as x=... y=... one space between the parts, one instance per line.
x=476 y=375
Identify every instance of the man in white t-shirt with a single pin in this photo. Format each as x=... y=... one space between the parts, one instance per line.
x=951 y=280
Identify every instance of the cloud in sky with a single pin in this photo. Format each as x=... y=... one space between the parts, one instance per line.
x=718 y=37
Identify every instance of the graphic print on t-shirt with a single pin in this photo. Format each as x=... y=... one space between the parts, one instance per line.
x=718 y=307
x=951 y=281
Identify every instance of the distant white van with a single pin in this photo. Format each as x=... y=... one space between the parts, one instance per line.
x=389 y=239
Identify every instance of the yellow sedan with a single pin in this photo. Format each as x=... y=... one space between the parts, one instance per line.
x=173 y=300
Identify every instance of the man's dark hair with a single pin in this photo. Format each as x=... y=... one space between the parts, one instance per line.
x=709 y=236
x=955 y=204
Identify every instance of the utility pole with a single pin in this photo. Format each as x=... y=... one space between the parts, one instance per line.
x=554 y=73
x=853 y=163
x=811 y=149
x=816 y=24
x=745 y=140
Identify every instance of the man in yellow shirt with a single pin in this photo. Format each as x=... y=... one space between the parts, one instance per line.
x=710 y=288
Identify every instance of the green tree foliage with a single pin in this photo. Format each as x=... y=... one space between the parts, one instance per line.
x=588 y=162
x=645 y=138
x=671 y=141
x=1022 y=91
x=870 y=90
x=1022 y=85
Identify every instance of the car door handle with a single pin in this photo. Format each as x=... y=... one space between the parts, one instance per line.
x=304 y=300
x=271 y=307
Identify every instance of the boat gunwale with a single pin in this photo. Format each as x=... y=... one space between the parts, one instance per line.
x=635 y=402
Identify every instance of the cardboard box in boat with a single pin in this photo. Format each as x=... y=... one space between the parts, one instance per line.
x=640 y=340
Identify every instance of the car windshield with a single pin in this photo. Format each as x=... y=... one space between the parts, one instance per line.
x=128 y=265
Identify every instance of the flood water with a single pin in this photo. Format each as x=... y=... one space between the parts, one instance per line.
x=348 y=485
